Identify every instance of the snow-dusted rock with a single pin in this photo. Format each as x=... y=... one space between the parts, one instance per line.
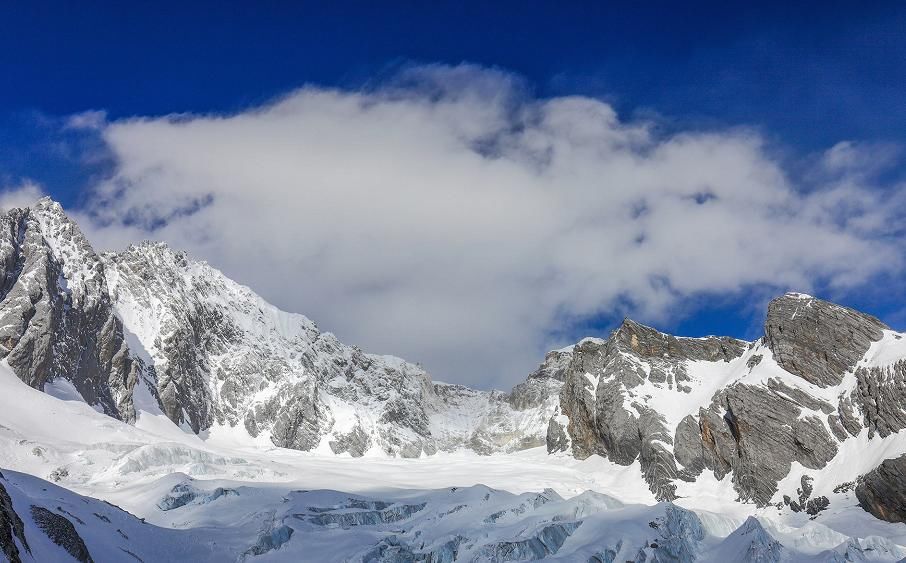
x=883 y=490
x=56 y=315
x=751 y=410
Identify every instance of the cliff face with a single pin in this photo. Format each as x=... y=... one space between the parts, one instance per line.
x=57 y=319
x=681 y=406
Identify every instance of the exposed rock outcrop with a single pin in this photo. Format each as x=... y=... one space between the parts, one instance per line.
x=56 y=315
x=12 y=529
x=604 y=393
x=882 y=491
x=818 y=340
x=756 y=434
x=752 y=409
x=61 y=531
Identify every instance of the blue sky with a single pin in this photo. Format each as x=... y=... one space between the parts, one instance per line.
x=803 y=77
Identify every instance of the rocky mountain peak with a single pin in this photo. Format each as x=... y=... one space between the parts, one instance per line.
x=56 y=314
x=646 y=342
x=818 y=340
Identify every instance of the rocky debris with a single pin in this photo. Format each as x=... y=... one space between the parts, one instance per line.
x=811 y=506
x=12 y=529
x=58 y=474
x=61 y=531
x=56 y=315
x=882 y=491
x=818 y=340
x=356 y=443
x=845 y=487
x=816 y=505
x=805 y=489
x=880 y=395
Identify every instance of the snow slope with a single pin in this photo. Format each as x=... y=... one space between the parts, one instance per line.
x=221 y=499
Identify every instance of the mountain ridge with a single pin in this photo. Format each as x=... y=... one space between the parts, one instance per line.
x=147 y=326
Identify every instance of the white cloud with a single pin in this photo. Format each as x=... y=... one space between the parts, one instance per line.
x=20 y=195
x=91 y=119
x=453 y=219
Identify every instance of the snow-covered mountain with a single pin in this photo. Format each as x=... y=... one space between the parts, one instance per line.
x=236 y=430
x=149 y=324
x=823 y=380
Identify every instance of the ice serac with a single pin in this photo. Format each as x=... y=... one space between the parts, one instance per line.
x=818 y=340
x=56 y=315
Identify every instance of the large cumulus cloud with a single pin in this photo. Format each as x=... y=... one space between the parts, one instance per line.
x=450 y=217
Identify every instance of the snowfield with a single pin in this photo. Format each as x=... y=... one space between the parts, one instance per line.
x=224 y=496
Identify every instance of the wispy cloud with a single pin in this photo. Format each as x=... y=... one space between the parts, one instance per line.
x=451 y=218
x=21 y=194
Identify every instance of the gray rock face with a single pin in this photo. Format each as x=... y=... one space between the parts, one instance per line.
x=211 y=352
x=61 y=531
x=555 y=365
x=817 y=340
x=880 y=395
x=616 y=391
x=56 y=313
x=600 y=381
x=882 y=491
x=12 y=529
x=225 y=356
x=756 y=433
